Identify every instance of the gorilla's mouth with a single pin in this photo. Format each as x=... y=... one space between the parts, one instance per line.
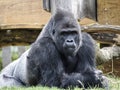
x=70 y=50
x=71 y=47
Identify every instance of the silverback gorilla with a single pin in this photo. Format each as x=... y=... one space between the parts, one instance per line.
x=61 y=56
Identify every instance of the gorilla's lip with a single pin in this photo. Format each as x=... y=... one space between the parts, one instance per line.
x=71 y=46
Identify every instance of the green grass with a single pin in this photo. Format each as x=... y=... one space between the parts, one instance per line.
x=114 y=84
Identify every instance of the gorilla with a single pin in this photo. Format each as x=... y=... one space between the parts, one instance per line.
x=62 y=56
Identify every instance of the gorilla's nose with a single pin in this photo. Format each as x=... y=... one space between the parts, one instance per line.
x=70 y=43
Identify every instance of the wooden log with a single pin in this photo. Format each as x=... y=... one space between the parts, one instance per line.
x=102 y=28
x=117 y=39
x=106 y=38
x=18 y=37
x=108 y=34
x=107 y=53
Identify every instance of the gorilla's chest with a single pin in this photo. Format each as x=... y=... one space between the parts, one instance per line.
x=70 y=64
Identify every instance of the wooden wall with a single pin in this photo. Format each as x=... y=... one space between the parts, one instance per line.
x=20 y=12
x=109 y=12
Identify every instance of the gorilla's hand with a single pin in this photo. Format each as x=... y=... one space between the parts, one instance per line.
x=70 y=81
x=65 y=82
x=98 y=74
x=104 y=81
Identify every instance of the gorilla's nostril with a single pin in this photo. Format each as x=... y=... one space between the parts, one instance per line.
x=69 y=41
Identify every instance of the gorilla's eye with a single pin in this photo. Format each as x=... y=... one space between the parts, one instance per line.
x=53 y=32
x=64 y=33
x=74 y=32
x=68 y=25
x=69 y=33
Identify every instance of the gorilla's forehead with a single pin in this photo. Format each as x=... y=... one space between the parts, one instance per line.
x=66 y=19
x=65 y=24
x=60 y=14
x=63 y=15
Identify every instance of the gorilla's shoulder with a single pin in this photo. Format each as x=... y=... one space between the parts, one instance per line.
x=88 y=44
x=43 y=41
x=86 y=38
x=85 y=35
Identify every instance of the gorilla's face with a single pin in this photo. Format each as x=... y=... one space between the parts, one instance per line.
x=67 y=36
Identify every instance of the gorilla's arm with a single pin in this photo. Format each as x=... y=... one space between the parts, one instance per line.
x=44 y=66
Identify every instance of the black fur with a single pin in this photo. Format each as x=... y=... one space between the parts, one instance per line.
x=61 y=56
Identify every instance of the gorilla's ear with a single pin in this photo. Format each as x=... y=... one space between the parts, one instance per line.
x=52 y=30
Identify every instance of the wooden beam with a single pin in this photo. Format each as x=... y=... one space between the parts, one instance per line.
x=21 y=26
x=106 y=38
x=102 y=28
x=18 y=37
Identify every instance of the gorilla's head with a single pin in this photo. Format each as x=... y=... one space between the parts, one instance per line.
x=66 y=32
